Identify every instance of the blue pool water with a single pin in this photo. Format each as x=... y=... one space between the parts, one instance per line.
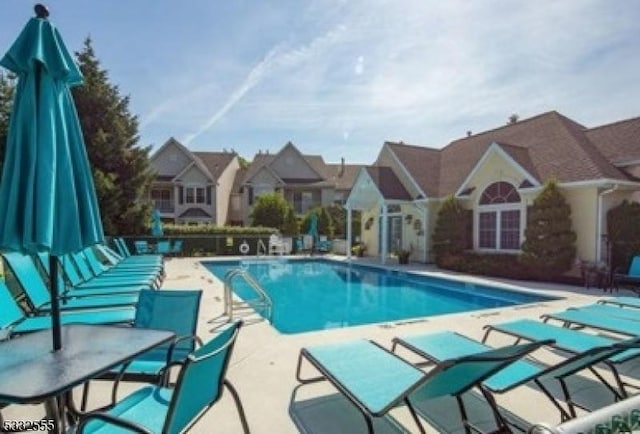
x=316 y=294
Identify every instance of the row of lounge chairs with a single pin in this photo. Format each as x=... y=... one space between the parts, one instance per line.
x=376 y=380
x=102 y=287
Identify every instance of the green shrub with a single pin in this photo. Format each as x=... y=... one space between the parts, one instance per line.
x=449 y=235
x=211 y=229
x=270 y=210
x=549 y=247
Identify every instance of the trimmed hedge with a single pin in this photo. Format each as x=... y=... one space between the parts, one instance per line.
x=209 y=229
x=499 y=265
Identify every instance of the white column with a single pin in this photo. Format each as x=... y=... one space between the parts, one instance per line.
x=385 y=236
x=349 y=234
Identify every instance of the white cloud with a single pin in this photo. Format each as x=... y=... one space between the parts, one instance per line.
x=433 y=71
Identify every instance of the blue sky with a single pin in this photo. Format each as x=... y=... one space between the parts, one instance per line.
x=339 y=77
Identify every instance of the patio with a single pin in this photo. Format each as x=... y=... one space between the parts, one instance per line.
x=264 y=362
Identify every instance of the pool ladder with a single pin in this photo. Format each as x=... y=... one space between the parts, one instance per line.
x=263 y=301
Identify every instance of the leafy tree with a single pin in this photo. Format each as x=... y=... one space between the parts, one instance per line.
x=290 y=225
x=623 y=230
x=121 y=168
x=339 y=218
x=449 y=236
x=270 y=210
x=549 y=247
x=325 y=225
x=7 y=89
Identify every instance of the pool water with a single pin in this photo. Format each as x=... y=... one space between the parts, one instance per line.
x=317 y=294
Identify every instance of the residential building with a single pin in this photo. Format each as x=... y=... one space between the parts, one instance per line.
x=193 y=187
x=305 y=181
x=497 y=174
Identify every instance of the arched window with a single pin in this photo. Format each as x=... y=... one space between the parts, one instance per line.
x=499 y=217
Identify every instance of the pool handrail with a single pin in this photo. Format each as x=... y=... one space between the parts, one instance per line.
x=228 y=295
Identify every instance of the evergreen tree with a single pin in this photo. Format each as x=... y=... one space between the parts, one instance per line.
x=7 y=90
x=290 y=226
x=121 y=168
x=549 y=247
x=270 y=210
x=449 y=236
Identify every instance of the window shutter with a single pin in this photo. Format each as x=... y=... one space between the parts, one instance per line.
x=180 y=195
x=209 y=195
x=250 y=192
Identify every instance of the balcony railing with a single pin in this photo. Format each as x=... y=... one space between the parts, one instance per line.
x=164 y=206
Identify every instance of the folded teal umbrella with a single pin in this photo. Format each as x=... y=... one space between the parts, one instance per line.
x=156 y=224
x=47 y=193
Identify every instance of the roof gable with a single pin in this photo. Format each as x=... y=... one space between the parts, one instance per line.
x=289 y=163
x=215 y=162
x=516 y=157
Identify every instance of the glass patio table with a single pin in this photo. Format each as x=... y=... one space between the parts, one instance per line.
x=30 y=372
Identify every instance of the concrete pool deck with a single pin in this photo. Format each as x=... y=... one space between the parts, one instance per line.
x=264 y=362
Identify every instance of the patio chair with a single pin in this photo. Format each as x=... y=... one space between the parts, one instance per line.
x=28 y=277
x=14 y=321
x=588 y=317
x=376 y=380
x=111 y=259
x=80 y=261
x=631 y=302
x=173 y=310
x=631 y=278
x=176 y=247
x=124 y=255
x=276 y=246
x=163 y=247
x=324 y=245
x=566 y=340
x=142 y=247
x=159 y=409
x=81 y=288
x=435 y=347
x=88 y=256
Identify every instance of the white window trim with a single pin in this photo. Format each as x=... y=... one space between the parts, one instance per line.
x=498 y=208
x=194 y=187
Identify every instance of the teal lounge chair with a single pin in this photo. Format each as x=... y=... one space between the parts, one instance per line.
x=126 y=253
x=80 y=288
x=111 y=259
x=28 y=277
x=375 y=380
x=590 y=318
x=631 y=278
x=176 y=247
x=435 y=347
x=632 y=302
x=116 y=258
x=157 y=409
x=163 y=247
x=142 y=247
x=133 y=279
x=614 y=311
x=14 y=321
x=100 y=269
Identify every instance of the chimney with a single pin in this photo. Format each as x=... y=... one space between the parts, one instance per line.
x=341 y=172
x=469 y=133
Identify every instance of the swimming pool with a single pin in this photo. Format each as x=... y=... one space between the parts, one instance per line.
x=316 y=294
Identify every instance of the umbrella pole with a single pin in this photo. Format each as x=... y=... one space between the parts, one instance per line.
x=55 y=304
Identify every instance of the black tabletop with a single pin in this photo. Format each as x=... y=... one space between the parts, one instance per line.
x=31 y=372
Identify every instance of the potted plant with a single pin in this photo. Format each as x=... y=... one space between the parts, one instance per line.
x=403 y=256
x=358 y=250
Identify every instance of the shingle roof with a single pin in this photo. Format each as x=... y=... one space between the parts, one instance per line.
x=619 y=142
x=215 y=162
x=548 y=146
x=343 y=176
x=388 y=183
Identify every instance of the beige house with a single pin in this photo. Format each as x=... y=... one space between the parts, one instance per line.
x=193 y=187
x=305 y=181
x=497 y=174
